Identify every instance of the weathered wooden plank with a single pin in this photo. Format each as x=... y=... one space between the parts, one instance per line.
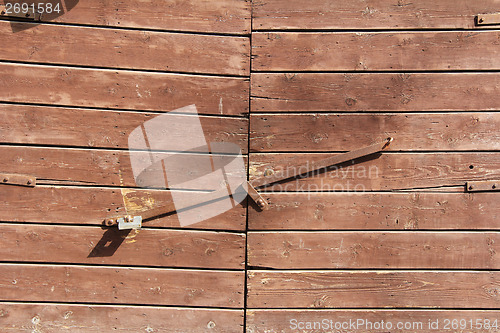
x=380 y=171
x=99 y=128
x=374 y=249
x=376 y=14
x=119 y=89
x=375 y=92
x=342 y=132
x=362 y=289
x=29 y=317
x=91 y=205
x=134 y=49
x=226 y=16
x=71 y=166
x=368 y=321
x=333 y=51
x=147 y=247
x=376 y=211
x=147 y=286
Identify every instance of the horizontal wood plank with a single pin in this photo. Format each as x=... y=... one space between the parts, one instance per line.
x=354 y=92
x=377 y=172
x=110 y=246
x=146 y=286
x=104 y=167
x=374 y=249
x=27 y=124
x=119 y=89
x=378 y=14
x=226 y=16
x=28 y=317
x=287 y=51
x=91 y=205
x=364 y=289
x=377 y=211
x=342 y=132
x=368 y=321
x=133 y=49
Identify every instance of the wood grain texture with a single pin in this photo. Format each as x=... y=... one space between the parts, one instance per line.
x=20 y=317
x=401 y=171
x=134 y=49
x=118 y=89
x=377 y=211
x=287 y=51
x=27 y=124
x=343 y=132
x=226 y=16
x=69 y=166
x=364 y=289
x=354 y=92
x=91 y=205
x=400 y=321
x=374 y=249
x=110 y=246
x=374 y=14
x=143 y=286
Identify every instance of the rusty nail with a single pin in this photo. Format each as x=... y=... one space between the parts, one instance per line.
x=268 y=172
x=110 y=222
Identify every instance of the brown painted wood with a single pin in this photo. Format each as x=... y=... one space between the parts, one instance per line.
x=226 y=16
x=374 y=249
x=69 y=166
x=386 y=171
x=361 y=289
x=343 y=132
x=377 y=14
x=134 y=49
x=376 y=211
x=91 y=205
x=333 y=51
x=368 y=321
x=98 y=128
x=19 y=317
x=147 y=286
x=110 y=246
x=299 y=92
x=118 y=89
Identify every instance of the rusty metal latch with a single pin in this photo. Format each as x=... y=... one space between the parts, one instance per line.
x=483 y=185
x=16 y=179
x=134 y=222
x=488 y=19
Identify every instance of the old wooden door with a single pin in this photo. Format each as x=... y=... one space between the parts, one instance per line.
x=391 y=239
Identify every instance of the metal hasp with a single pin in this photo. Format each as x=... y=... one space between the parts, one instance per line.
x=483 y=185
x=16 y=179
x=134 y=222
x=488 y=19
x=18 y=12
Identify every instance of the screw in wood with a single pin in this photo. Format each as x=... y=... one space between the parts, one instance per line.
x=494 y=186
x=471 y=187
x=6 y=179
x=29 y=182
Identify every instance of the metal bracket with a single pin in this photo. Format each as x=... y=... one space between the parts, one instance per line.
x=129 y=222
x=16 y=179
x=483 y=185
x=29 y=14
x=488 y=19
